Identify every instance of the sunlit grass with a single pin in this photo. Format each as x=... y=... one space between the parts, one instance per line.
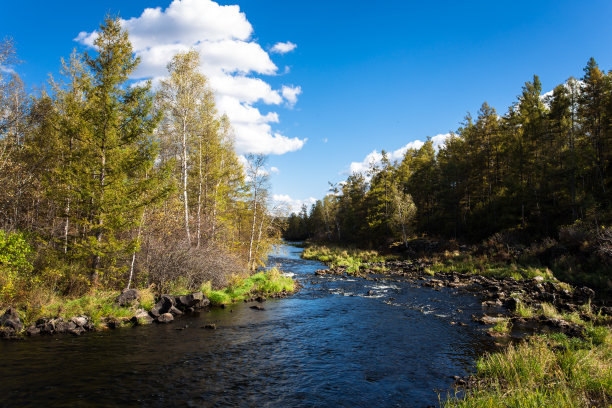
x=351 y=258
x=546 y=371
x=261 y=283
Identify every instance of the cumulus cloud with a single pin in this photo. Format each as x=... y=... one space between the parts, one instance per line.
x=290 y=93
x=230 y=58
x=274 y=170
x=283 y=48
x=292 y=205
x=375 y=157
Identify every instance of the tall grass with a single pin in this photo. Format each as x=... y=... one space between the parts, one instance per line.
x=552 y=371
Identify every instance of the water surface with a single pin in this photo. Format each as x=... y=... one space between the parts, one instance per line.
x=329 y=345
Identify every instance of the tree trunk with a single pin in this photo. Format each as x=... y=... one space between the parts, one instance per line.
x=185 y=181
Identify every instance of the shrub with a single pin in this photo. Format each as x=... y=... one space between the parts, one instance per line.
x=15 y=266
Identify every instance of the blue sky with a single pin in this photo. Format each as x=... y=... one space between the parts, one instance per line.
x=371 y=75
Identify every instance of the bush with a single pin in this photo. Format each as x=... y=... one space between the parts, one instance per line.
x=15 y=267
x=174 y=268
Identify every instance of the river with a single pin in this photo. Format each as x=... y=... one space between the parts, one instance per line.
x=330 y=345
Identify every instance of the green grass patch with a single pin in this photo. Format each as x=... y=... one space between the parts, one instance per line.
x=97 y=306
x=465 y=263
x=545 y=371
x=523 y=310
x=502 y=327
x=261 y=283
x=351 y=258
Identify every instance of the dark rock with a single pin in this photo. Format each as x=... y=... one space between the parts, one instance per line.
x=162 y=306
x=257 y=307
x=128 y=297
x=211 y=326
x=165 y=318
x=584 y=293
x=33 y=331
x=175 y=311
x=7 y=333
x=511 y=303
x=260 y=299
x=606 y=310
x=11 y=320
x=64 y=327
x=112 y=323
x=47 y=328
x=76 y=331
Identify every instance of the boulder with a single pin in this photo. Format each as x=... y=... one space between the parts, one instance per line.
x=196 y=299
x=142 y=317
x=128 y=298
x=32 y=330
x=257 y=307
x=165 y=318
x=175 y=311
x=584 y=293
x=162 y=306
x=64 y=327
x=11 y=320
x=80 y=321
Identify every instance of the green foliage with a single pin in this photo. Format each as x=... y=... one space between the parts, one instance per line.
x=261 y=283
x=15 y=266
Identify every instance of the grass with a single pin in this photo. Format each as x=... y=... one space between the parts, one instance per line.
x=97 y=306
x=545 y=371
x=261 y=283
x=469 y=264
x=353 y=259
x=523 y=310
x=502 y=327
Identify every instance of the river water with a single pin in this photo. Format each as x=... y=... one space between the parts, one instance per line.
x=330 y=345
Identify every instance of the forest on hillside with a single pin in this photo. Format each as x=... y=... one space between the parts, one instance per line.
x=107 y=183
x=540 y=173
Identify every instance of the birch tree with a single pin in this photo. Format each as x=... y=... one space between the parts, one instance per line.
x=181 y=95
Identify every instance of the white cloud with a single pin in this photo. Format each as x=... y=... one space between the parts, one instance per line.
x=375 y=157
x=230 y=58
x=291 y=204
x=7 y=70
x=290 y=93
x=274 y=170
x=283 y=48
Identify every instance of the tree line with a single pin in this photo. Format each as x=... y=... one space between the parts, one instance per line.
x=541 y=166
x=112 y=182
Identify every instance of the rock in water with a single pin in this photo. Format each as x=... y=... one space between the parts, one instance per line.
x=165 y=318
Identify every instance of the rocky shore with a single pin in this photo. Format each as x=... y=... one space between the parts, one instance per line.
x=167 y=308
x=504 y=297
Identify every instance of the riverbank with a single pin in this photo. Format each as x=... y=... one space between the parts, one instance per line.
x=555 y=339
x=104 y=310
